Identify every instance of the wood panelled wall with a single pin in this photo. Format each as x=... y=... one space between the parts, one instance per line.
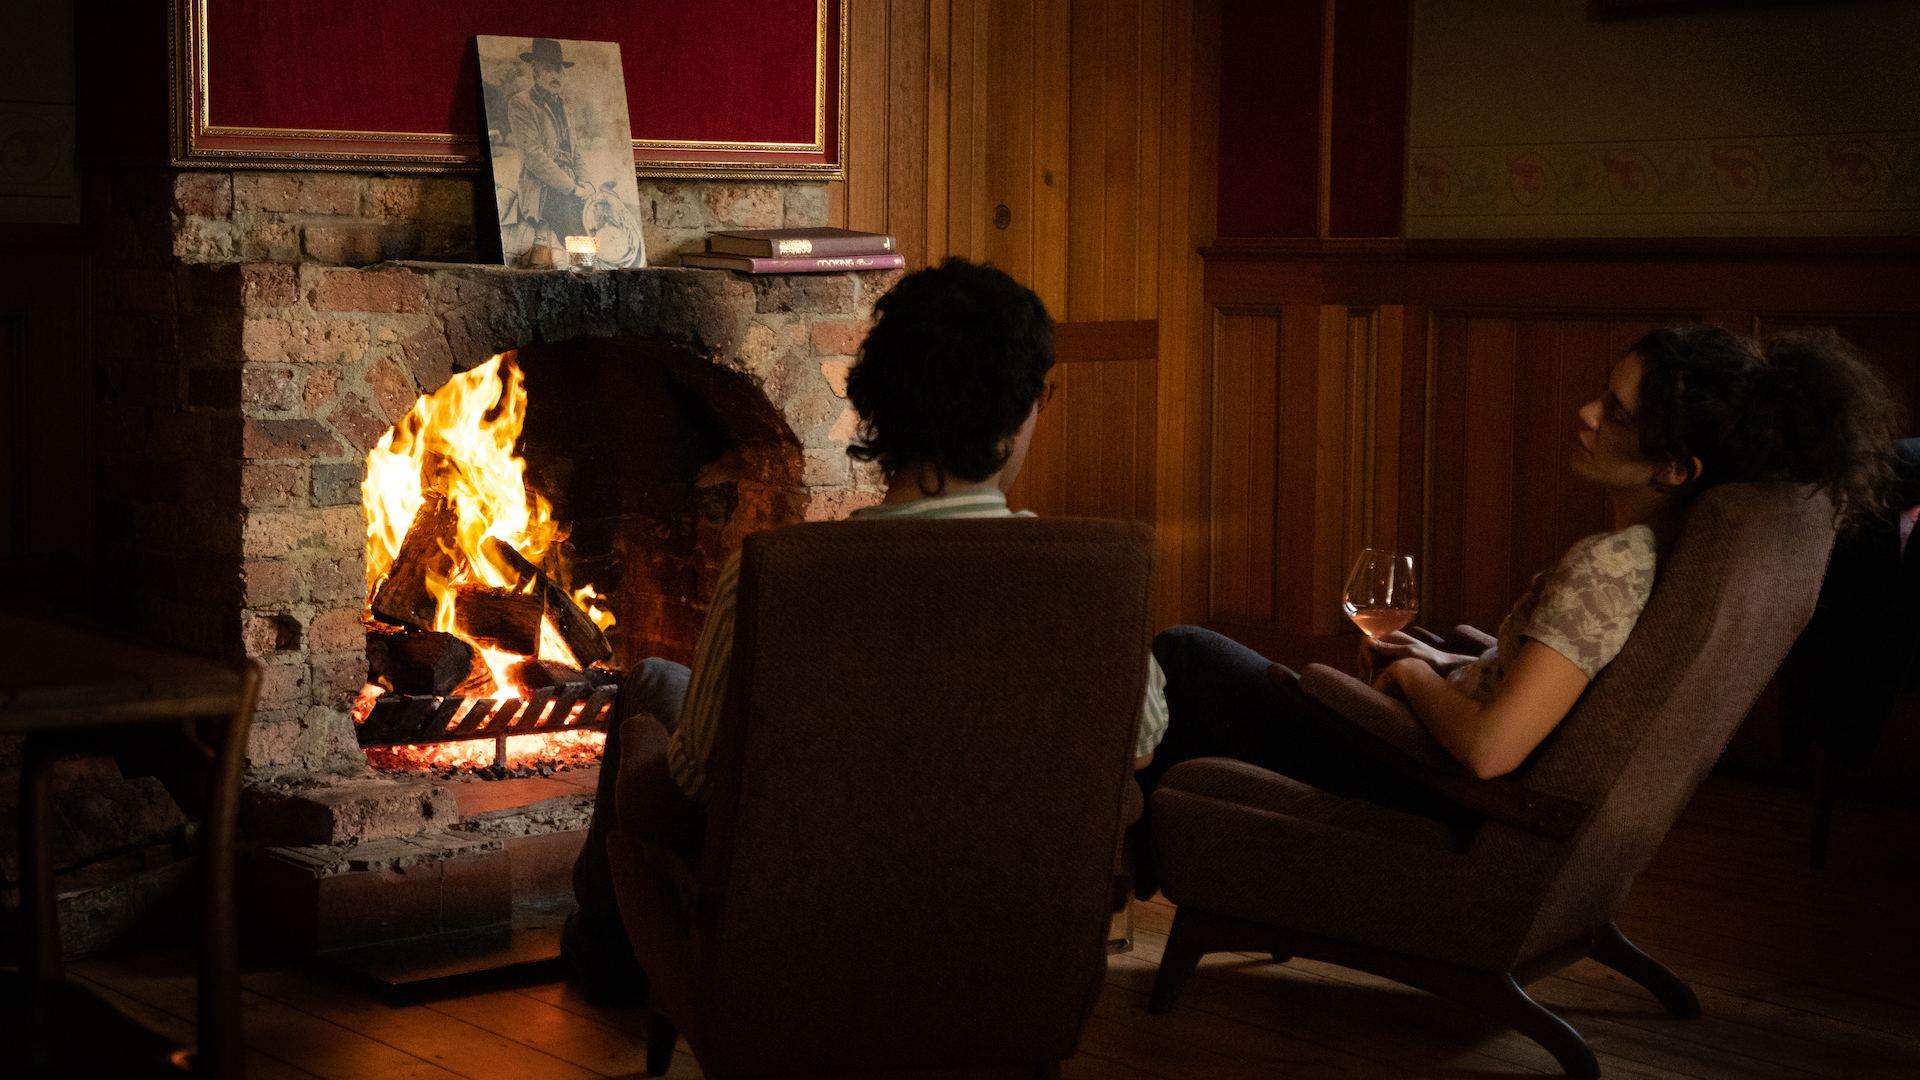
x=1423 y=395
x=1068 y=142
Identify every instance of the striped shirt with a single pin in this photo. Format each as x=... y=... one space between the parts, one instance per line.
x=690 y=747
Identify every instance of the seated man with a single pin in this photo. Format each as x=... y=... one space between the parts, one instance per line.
x=948 y=386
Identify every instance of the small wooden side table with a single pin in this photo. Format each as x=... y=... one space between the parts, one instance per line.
x=60 y=680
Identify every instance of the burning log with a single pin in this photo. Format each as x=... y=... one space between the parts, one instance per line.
x=479 y=682
x=422 y=662
x=586 y=640
x=498 y=617
x=540 y=674
x=403 y=598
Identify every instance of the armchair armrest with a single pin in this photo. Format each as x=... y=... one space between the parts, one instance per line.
x=1242 y=784
x=1468 y=640
x=1382 y=718
x=1379 y=728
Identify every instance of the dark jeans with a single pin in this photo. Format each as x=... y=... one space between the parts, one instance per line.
x=1221 y=703
x=656 y=687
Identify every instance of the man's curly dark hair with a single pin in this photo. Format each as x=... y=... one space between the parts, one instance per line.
x=957 y=356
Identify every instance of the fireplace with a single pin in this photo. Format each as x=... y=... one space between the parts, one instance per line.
x=508 y=585
x=664 y=415
x=250 y=362
x=473 y=630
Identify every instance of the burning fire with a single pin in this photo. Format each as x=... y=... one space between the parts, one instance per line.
x=458 y=443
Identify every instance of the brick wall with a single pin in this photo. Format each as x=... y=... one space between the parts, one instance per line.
x=354 y=219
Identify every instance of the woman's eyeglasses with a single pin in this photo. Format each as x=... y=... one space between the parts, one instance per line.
x=1046 y=394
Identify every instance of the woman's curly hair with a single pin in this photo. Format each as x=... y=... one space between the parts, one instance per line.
x=957 y=356
x=1800 y=406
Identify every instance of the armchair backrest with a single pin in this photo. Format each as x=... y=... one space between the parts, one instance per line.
x=1729 y=599
x=917 y=791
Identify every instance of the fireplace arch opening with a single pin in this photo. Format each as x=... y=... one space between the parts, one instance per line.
x=539 y=524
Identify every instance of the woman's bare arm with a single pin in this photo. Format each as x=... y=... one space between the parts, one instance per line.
x=1492 y=738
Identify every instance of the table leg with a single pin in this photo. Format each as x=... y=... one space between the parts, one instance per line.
x=221 y=1051
x=40 y=915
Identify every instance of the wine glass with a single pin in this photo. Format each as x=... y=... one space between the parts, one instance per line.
x=1381 y=596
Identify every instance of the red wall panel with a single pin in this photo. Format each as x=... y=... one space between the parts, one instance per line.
x=739 y=81
x=1269 y=117
x=1369 y=117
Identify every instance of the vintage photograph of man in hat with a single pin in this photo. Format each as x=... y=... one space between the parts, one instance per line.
x=562 y=150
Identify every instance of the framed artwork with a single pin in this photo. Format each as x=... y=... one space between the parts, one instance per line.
x=559 y=138
x=718 y=88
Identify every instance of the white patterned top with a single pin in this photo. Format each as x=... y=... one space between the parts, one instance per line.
x=1583 y=609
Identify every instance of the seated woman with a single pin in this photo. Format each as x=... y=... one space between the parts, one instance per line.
x=1685 y=409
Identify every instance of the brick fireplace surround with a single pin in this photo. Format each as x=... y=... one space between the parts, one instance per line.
x=248 y=365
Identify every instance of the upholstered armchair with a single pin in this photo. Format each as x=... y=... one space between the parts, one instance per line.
x=921 y=778
x=1526 y=877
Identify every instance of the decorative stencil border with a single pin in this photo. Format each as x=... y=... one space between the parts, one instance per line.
x=1878 y=172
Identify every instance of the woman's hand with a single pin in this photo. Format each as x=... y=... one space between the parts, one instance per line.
x=1377 y=655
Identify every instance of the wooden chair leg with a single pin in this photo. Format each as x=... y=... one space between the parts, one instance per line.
x=1614 y=950
x=1505 y=1000
x=661 y=1035
x=222 y=1051
x=1177 y=962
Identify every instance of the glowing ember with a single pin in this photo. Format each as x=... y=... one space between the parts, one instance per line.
x=459 y=442
x=568 y=747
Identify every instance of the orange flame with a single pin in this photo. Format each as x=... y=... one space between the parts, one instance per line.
x=459 y=441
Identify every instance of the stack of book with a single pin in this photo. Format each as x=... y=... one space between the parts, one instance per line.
x=796 y=251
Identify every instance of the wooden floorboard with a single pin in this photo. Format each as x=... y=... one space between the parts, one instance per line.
x=423 y=1031
x=287 y=1035
x=180 y=1030
x=1803 y=975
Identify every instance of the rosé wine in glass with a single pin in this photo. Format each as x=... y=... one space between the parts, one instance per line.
x=1381 y=596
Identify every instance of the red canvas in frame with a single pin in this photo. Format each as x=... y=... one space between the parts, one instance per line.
x=716 y=88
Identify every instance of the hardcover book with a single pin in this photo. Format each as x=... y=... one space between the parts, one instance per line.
x=786 y=243
x=794 y=265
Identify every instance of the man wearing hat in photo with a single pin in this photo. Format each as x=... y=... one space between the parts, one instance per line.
x=552 y=194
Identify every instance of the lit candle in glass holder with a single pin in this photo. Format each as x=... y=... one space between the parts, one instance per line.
x=581 y=251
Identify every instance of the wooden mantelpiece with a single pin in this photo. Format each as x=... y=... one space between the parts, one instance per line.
x=1422 y=394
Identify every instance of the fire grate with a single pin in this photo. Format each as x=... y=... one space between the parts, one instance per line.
x=411 y=719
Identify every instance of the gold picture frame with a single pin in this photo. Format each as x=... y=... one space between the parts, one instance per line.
x=197 y=142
